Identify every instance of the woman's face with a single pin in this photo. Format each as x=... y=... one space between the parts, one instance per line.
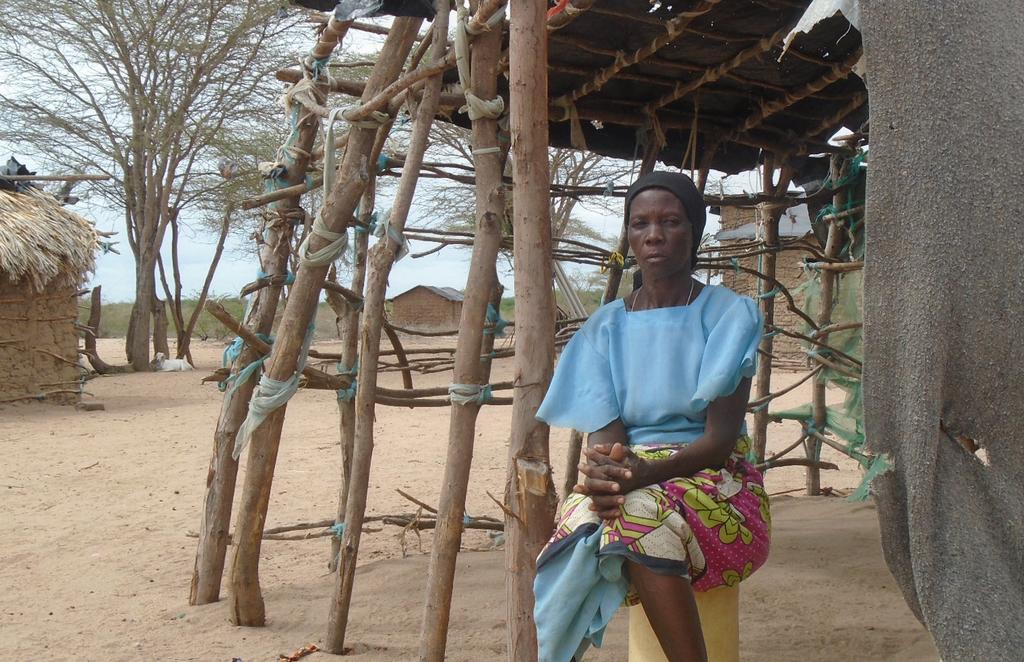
x=660 y=234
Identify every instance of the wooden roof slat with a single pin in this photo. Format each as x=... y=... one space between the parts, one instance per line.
x=711 y=74
x=680 y=65
x=835 y=118
x=648 y=19
x=837 y=72
x=673 y=28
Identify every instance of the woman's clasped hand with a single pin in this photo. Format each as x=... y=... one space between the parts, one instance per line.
x=610 y=472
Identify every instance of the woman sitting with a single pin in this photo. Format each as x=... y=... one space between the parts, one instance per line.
x=668 y=503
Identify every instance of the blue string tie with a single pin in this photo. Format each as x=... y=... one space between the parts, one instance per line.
x=348 y=394
x=232 y=352
x=470 y=394
x=338 y=530
x=319 y=66
x=289 y=277
x=497 y=324
x=269 y=395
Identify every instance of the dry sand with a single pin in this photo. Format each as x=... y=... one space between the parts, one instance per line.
x=96 y=557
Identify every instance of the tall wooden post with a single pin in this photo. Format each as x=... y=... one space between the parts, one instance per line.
x=380 y=260
x=812 y=445
x=246 y=600
x=530 y=496
x=768 y=218
x=349 y=352
x=481 y=283
x=220 y=479
x=350 y=346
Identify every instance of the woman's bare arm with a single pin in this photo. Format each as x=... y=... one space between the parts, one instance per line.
x=613 y=433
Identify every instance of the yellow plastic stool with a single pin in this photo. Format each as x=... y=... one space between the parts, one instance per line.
x=719 y=611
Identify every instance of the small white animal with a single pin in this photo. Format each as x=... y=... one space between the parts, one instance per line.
x=163 y=364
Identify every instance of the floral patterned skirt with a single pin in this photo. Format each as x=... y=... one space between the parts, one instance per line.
x=712 y=527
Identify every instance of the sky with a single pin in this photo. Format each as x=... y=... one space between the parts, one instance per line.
x=449 y=267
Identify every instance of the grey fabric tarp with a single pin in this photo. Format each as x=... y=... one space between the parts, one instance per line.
x=944 y=312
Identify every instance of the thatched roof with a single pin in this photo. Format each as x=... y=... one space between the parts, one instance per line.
x=43 y=243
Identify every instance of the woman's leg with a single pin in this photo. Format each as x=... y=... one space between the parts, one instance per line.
x=672 y=611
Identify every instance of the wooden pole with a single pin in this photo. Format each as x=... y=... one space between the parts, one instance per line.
x=246 y=600
x=812 y=445
x=346 y=408
x=56 y=178
x=350 y=350
x=379 y=260
x=529 y=495
x=572 y=472
x=221 y=477
x=769 y=219
x=481 y=284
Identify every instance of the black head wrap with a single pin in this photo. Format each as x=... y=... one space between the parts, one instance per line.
x=683 y=188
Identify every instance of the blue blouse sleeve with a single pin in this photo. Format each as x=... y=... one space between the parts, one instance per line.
x=581 y=395
x=730 y=352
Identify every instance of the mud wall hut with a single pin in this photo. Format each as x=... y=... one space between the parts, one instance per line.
x=739 y=226
x=46 y=252
x=427 y=307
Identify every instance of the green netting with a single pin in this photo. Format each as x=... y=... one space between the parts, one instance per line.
x=846 y=420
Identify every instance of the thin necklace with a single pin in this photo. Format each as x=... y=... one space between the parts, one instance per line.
x=688 y=296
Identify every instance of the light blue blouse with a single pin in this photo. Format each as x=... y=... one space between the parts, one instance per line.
x=655 y=369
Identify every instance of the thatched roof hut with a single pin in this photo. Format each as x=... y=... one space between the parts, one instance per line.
x=42 y=243
x=46 y=251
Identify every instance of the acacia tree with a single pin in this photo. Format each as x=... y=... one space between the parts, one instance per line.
x=139 y=90
x=215 y=207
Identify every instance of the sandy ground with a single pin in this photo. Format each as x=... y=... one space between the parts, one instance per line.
x=97 y=507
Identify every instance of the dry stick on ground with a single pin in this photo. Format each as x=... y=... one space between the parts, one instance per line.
x=220 y=482
x=247 y=606
x=379 y=260
x=482 y=287
x=529 y=494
